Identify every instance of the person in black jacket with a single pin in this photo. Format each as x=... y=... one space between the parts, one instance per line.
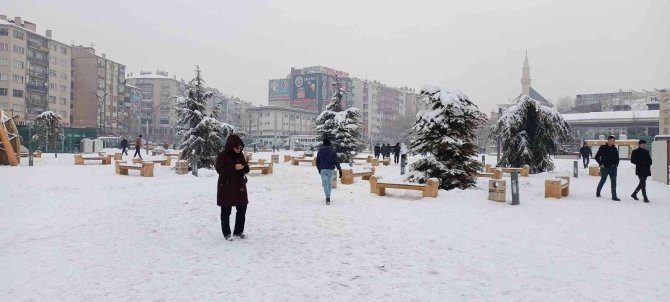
x=377 y=150
x=396 y=153
x=642 y=161
x=232 y=186
x=326 y=162
x=586 y=153
x=608 y=159
x=124 y=146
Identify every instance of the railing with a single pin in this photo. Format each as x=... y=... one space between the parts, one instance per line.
x=38 y=46
x=38 y=60
x=37 y=87
x=34 y=73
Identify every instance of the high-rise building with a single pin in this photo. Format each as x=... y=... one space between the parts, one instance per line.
x=97 y=84
x=159 y=96
x=35 y=71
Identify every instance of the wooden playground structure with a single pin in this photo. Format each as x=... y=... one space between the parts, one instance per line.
x=10 y=141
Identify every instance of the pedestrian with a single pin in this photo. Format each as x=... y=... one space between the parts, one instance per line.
x=138 y=146
x=586 y=154
x=124 y=146
x=378 y=150
x=273 y=148
x=403 y=158
x=326 y=162
x=642 y=161
x=384 y=150
x=232 y=186
x=608 y=159
x=396 y=153
x=255 y=148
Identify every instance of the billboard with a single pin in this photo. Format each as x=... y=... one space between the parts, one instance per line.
x=279 y=90
x=306 y=91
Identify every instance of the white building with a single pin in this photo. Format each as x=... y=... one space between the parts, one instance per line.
x=273 y=125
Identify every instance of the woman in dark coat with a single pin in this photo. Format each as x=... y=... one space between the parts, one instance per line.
x=642 y=161
x=232 y=186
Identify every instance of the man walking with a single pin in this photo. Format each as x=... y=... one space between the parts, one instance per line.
x=403 y=158
x=124 y=146
x=326 y=162
x=642 y=161
x=608 y=159
x=377 y=150
x=586 y=153
x=138 y=145
x=396 y=153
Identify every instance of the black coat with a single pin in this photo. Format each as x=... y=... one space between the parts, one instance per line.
x=585 y=151
x=642 y=161
x=607 y=156
x=396 y=149
x=326 y=158
x=377 y=150
x=232 y=184
x=124 y=143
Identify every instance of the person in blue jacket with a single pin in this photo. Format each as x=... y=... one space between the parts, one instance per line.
x=326 y=162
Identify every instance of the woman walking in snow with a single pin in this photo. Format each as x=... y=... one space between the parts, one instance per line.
x=232 y=186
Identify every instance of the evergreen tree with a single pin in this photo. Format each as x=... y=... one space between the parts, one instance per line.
x=341 y=126
x=529 y=133
x=446 y=131
x=201 y=134
x=47 y=128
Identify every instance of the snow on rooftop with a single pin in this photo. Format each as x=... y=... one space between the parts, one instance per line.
x=612 y=115
x=149 y=76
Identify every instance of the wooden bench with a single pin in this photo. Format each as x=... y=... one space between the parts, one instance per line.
x=524 y=171
x=79 y=159
x=248 y=156
x=557 y=187
x=296 y=161
x=265 y=169
x=274 y=158
x=259 y=162
x=36 y=154
x=164 y=161
x=366 y=159
x=386 y=161
x=348 y=175
x=594 y=171
x=118 y=156
x=146 y=168
x=175 y=155
x=495 y=174
x=430 y=189
x=287 y=158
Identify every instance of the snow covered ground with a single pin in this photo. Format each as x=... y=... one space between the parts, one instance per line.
x=83 y=233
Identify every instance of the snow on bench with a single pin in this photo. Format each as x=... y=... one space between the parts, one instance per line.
x=146 y=168
x=265 y=169
x=430 y=189
x=349 y=174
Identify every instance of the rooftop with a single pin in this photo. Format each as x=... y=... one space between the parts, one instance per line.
x=612 y=115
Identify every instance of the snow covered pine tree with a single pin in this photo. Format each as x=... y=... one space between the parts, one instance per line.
x=341 y=127
x=201 y=134
x=47 y=128
x=446 y=131
x=529 y=133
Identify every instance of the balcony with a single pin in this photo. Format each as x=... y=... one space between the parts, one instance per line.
x=37 y=60
x=37 y=88
x=35 y=73
x=36 y=45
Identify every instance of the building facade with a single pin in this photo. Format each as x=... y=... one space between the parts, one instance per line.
x=97 y=84
x=34 y=71
x=159 y=94
x=273 y=125
x=664 y=112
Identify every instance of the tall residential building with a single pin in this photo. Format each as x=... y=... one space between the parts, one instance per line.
x=34 y=71
x=133 y=111
x=384 y=109
x=159 y=95
x=231 y=109
x=97 y=84
x=308 y=88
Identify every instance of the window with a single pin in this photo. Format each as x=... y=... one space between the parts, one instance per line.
x=53 y=60
x=52 y=73
x=17 y=93
x=4 y=46
x=63 y=50
x=4 y=62
x=52 y=86
x=53 y=47
x=63 y=63
x=63 y=114
x=19 y=64
x=63 y=76
x=19 y=79
x=19 y=35
x=63 y=101
x=63 y=88
x=4 y=31
x=17 y=107
x=3 y=91
x=52 y=99
x=20 y=50
x=3 y=77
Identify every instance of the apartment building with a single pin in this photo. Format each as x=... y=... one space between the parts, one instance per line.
x=273 y=125
x=97 y=84
x=159 y=94
x=34 y=71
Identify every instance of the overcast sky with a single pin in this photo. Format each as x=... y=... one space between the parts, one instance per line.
x=475 y=46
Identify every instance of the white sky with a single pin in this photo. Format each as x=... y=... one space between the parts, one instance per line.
x=475 y=46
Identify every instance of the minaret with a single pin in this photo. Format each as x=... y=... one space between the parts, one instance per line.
x=525 y=78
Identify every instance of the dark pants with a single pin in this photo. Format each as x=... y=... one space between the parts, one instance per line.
x=604 y=172
x=137 y=152
x=642 y=186
x=396 y=158
x=239 y=219
x=585 y=160
x=403 y=163
x=124 y=150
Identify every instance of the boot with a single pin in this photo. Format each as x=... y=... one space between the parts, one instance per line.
x=327 y=200
x=634 y=195
x=644 y=195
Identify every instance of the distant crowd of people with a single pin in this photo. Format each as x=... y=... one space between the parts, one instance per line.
x=399 y=152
